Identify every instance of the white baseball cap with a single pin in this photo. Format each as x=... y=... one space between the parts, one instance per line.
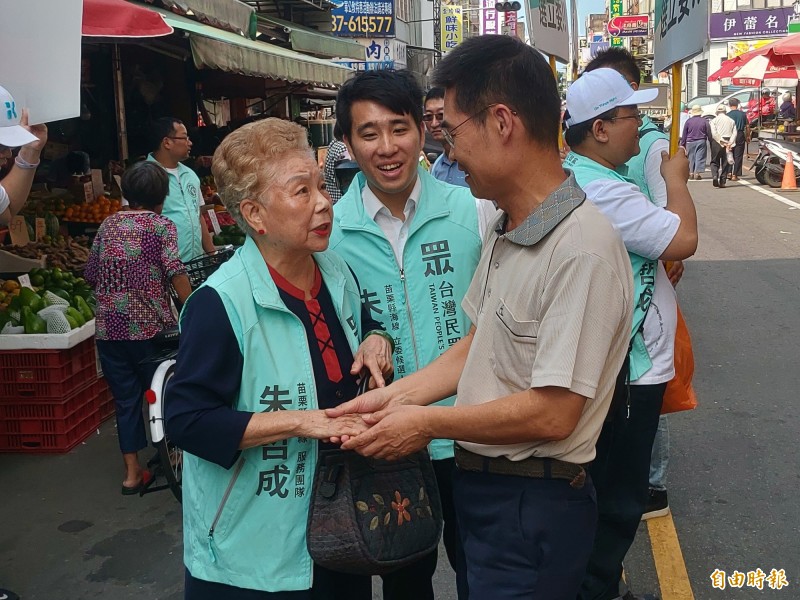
x=12 y=134
x=598 y=91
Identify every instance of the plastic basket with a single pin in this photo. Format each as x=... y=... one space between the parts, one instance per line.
x=105 y=401
x=51 y=427
x=46 y=375
x=201 y=268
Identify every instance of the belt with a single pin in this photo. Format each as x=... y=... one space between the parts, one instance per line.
x=533 y=467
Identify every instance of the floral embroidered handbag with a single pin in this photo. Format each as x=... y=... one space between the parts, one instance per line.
x=370 y=516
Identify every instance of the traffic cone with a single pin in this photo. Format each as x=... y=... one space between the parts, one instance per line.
x=789 y=181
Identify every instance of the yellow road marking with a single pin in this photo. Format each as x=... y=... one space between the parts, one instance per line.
x=670 y=567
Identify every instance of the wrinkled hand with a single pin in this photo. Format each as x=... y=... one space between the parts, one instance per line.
x=374 y=353
x=321 y=426
x=365 y=404
x=394 y=433
x=676 y=166
x=675 y=272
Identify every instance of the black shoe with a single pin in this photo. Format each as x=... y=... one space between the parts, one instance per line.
x=722 y=183
x=657 y=505
x=715 y=182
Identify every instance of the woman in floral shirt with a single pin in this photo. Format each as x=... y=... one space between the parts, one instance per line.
x=133 y=260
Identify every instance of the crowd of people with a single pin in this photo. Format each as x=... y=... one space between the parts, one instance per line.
x=515 y=309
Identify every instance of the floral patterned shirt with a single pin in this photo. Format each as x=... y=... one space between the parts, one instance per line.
x=133 y=259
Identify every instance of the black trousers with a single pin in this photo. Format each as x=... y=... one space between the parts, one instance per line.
x=414 y=582
x=328 y=585
x=719 y=163
x=621 y=474
x=738 y=154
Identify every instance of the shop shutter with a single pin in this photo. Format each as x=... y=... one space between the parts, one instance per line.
x=702 y=77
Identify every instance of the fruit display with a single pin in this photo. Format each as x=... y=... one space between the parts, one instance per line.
x=92 y=212
x=208 y=187
x=230 y=235
x=41 y=203
x=69 y=254
x=28 y=307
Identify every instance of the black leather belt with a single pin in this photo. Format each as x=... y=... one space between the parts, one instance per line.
x=536 y=468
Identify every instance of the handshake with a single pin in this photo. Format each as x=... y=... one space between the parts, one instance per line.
x=377 y=423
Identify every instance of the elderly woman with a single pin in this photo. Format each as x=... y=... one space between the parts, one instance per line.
x=267 y=343
x=694 y=138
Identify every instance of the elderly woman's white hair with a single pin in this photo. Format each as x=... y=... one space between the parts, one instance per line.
x=248 y=158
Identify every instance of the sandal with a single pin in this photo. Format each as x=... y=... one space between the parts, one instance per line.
x=137 y=489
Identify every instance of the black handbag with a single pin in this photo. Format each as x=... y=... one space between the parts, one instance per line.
x=369 y=516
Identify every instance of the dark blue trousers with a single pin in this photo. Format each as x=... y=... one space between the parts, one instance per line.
x=128 y=380
x=523 y=538
x=621 y=474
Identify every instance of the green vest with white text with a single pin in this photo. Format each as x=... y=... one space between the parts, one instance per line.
x=648 y=135
x=246 y=526
x=420 y=304
x=644 y=269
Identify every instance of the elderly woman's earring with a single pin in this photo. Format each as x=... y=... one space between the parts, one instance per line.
x=261 y=232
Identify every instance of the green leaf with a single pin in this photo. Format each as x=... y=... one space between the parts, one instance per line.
x=379 y=499
x=362 y=506
x=373 y=524
x=387 y=518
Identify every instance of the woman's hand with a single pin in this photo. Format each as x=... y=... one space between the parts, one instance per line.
x=316 y=424
x=374 y=353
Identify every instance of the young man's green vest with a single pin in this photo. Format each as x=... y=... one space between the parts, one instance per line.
x=420 y=304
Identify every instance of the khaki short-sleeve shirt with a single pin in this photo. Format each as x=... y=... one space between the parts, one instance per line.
x=552 y=305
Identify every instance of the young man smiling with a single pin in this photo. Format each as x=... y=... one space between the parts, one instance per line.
x=413 y=243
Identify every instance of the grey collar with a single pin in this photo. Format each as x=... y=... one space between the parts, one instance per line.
x=555 y=208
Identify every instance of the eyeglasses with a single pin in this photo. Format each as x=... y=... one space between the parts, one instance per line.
x=638 y=117
x=178 y=137
x=428 y=117
x=447 y=133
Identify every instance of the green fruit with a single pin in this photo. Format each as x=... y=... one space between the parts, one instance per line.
x=73 y=323
x=26 y=296
x=33 y=323
x=84 y=309
x=60 y=293
x=37 y=280
x=75 y=315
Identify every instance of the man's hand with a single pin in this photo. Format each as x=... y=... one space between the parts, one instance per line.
x=676 y=167
x=374 y=353
x=675 y=272
x=396 y=432
x=320 y=426
x=30 y=151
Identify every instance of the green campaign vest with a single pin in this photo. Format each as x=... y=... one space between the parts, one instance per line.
x=258 y=509
x=644 y=269
x=648 y=135
x=182 y=207
x=420 y=305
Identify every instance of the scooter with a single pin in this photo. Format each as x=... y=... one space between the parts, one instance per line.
x=771 y=161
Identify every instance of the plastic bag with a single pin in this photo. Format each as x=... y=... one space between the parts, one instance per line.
x=49 y=310
x=729 y=156
x=8 y=328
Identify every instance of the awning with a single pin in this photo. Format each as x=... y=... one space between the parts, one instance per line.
x=118 y=19
x=232 y=15
x=305 y=39
x=216 y=49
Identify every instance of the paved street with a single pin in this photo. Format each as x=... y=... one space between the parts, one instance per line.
x=68 y=533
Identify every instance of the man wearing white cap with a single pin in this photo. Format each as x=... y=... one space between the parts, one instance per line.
x=15 y=132
x=603 y=122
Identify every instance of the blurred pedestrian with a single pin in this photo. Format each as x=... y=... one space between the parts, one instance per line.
x=742 y=133
x=723 y=139
x=696 y=134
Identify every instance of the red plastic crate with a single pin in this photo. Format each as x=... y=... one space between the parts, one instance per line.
x=105 y=400
x=46 y=374
x=50 y=442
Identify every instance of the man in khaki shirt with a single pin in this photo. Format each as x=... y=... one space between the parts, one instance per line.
x=551 y=305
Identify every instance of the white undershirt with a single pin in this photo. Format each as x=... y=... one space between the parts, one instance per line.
x=396 y=230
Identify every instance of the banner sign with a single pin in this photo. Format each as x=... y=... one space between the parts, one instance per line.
x=382 y=53
x=44 y=77
x=489 y=21
x=614 y=11
x=511 y=23
x=547 y=23
x=363 y=18
x=737 y=48
x=769 y=22
x=629 y=26
x=451 y=26
x=679 y=31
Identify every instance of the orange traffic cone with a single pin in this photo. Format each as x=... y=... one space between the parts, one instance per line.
x=789 y=181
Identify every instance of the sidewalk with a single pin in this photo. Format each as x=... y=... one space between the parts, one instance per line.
x=68 y=533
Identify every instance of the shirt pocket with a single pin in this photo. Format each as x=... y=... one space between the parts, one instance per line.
x=515 y=342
